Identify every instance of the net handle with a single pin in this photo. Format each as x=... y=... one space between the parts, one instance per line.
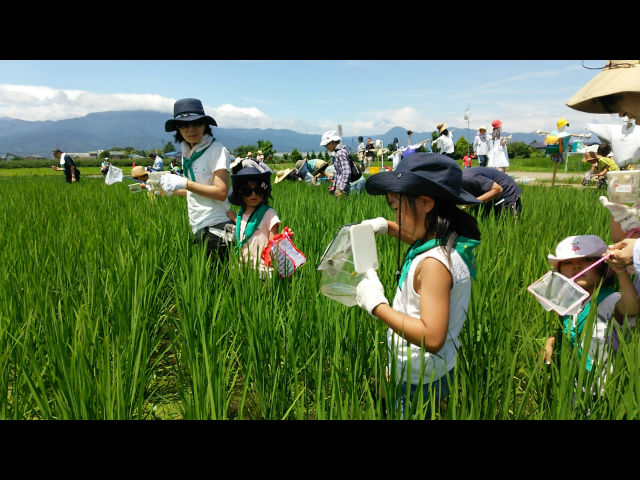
x=590 y=267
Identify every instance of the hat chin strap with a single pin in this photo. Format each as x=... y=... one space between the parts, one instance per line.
x=398 y=266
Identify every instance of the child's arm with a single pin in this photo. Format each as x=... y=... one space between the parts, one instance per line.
x=274 y=231
x=433 y=282
x=629 y=303
x=548 y=349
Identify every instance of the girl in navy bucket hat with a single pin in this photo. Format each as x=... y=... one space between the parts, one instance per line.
x=434 y=281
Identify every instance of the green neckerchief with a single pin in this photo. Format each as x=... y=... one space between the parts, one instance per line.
x=463 y=245
x=574 y=334
x=254 y=220
x=186 y=162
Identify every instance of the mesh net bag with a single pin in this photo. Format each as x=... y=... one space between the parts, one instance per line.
x=556 y=292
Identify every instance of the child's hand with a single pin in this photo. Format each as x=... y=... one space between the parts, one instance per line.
x=548 y=350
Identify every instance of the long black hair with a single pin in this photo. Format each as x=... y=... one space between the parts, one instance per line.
x=446 y=222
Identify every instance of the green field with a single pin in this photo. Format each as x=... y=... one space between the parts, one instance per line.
x=108 y=312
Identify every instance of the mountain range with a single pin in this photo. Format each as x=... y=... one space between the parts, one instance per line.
x=144 y=130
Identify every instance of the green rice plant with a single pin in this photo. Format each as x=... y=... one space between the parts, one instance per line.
x=109 y=312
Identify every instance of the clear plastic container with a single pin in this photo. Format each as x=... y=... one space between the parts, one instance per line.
x=623 y=186
x=351 y=253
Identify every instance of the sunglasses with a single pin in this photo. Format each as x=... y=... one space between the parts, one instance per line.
x=185 y=125
x=246 y=190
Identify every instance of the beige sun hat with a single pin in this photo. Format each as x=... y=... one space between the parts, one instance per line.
x=616 y=77
x=138 y=171
x=441 y=127
x=282 y=174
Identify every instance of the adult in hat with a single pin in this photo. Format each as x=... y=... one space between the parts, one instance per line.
x=498 y=192
x=481 y=146
x=67 y=165
x=434 y=280
x=205 y=165
x=369 y=153
x=288 y=174
x=332 y=141
x=444 y=142
x=616 y=89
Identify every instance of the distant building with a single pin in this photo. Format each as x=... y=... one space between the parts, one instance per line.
x=115 y=154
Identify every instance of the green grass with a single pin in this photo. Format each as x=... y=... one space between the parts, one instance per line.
x=109 y=312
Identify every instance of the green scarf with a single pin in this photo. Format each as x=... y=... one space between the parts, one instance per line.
x=254 y=220
x=463 y=245
x=186 y=162
x=574 y=334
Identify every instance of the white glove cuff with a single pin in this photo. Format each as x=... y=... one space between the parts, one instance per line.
x=379 y=224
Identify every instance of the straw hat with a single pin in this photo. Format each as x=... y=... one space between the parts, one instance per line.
x=617 y=76
x=578 y=246
x=282 y=174
x=441 y=127
x=299 y=164
x=590 y=157
x=138 y=171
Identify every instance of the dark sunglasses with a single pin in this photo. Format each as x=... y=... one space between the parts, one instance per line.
x=246 y=190
x=183 y=125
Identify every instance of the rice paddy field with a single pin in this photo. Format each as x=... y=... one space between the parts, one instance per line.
x=107 y=311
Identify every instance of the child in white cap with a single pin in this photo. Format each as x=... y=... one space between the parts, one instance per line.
x=574 y=254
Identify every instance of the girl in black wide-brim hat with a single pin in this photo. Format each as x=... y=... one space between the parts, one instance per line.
x=434 y=280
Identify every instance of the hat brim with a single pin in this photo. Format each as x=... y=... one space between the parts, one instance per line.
x=171 y=124
x=410 y=183
x=554 y=261
x=281 y=177
x=612 y=80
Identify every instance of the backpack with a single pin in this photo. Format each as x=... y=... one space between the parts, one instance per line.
x=356 y=169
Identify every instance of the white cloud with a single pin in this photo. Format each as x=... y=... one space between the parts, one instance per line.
x=34 y=102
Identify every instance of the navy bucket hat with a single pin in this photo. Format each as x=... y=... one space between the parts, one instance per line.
x=243 y=176
x=431 y=174
x=187 y=110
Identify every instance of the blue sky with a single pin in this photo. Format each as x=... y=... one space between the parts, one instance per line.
x=309 y=96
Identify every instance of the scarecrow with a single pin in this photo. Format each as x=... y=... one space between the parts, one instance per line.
x=557 y=144
x=624 y=140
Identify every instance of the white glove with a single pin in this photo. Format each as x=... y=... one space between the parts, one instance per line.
x=169 y=183
x=623 y=214
x=379 y=224
x=370 y=292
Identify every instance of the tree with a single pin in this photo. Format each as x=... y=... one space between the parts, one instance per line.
x=519 y=149
x=434 y=136
x=295 y=155
x=267 y=149
x=169 y=147
x=242 y=150
x=460 y=148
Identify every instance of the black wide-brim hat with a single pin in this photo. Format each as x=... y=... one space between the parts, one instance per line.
x=431 y=174
x=243 y=176
x=187 y=110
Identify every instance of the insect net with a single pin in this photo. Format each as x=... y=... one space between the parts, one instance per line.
x=556 y=292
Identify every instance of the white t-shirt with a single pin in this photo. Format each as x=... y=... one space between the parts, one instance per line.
x=252 y=250
x=407 y=301
x=204 y=211
x=481 y=144
x=158 y=164
x=445 y=143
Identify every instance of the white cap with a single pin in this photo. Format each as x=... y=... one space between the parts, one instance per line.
x=578 y=246
x=330 y=136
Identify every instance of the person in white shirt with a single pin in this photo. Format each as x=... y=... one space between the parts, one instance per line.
x=481 y=146
x=434 y=284
x=445 y=141
x=205 y=165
